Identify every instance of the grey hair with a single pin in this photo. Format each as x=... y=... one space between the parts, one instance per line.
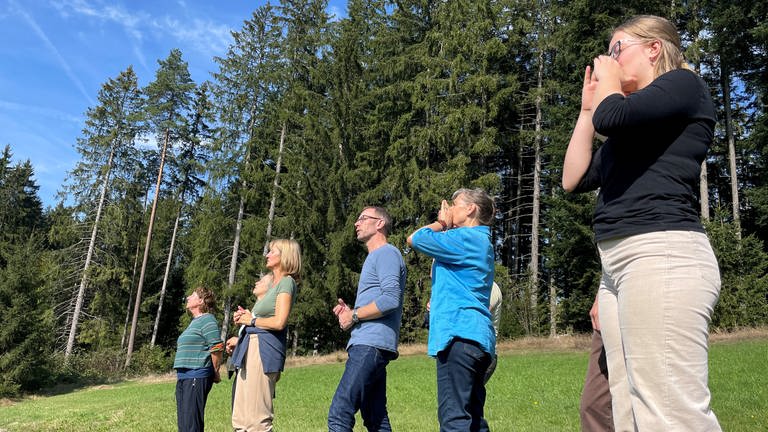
x=384 y=215
x=479 y=197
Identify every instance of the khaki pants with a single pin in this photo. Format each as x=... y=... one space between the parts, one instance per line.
x=252 y=408
x=656 y=298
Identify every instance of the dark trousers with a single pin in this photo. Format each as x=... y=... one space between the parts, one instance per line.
x=596 y=410
x=191 y=395
x=491 y=369
x=363 y=387
x=461 y=371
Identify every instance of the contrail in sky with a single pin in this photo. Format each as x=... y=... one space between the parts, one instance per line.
x=41 y=34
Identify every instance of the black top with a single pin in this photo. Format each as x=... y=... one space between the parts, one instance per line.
x=648 y=168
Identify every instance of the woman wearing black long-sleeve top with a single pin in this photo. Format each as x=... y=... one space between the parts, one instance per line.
x=660 y=278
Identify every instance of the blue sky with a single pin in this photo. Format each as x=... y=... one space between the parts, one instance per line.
x=56 y=54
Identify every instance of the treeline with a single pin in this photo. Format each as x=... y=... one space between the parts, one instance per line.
x=306 y=121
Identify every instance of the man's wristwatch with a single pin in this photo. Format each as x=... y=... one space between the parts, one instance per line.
x=355 y=319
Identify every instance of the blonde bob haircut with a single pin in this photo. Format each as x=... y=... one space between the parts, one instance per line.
x=290 y=257
x=649 y=28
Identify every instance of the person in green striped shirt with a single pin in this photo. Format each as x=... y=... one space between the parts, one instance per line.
x=199 y=352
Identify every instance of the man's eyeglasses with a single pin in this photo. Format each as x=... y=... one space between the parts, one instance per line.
x=615 y=50
x=364 y=218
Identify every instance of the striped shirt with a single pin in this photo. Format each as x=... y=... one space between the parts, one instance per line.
x=195 y=344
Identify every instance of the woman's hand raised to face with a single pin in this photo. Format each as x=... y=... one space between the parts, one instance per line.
x=607 y=73
x=445 y=215
x=588 y=90
x=605 y=69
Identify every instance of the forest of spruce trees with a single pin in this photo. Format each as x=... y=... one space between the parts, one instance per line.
x=306 y=121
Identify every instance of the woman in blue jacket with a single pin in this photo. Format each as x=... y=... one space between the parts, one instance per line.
x=461 y=335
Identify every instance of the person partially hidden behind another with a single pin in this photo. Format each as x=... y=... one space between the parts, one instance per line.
x=461 y=334
x=494 y=306
x=260 y=288
x=660 y=279
x=199 y=351
x=595 y=409
x=259 y=353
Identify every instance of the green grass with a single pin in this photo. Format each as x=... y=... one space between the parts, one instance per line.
x=529 y=392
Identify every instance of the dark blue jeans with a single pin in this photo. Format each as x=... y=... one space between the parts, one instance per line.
x=362 y=387
x=191 y=395
x=461 y=371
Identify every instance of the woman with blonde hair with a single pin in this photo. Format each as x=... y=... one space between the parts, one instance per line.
x=660 y=280
x=259 y=353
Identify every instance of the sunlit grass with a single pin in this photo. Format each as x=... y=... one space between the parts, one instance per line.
x=531 y=391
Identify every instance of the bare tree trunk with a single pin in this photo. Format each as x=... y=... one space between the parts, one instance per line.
x=233 y=266
x=89 y=256
x=703 y=180
x=167 y=271
x=704 y=191
x=236 y=241
x=133 y=278
x=517 y=254
x=725 y=81
x=534 y=264
x=552 y=307
x=275 y=186
x=142 y=274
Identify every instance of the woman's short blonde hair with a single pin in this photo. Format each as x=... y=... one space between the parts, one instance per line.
x=290 y=256
x=649 y=28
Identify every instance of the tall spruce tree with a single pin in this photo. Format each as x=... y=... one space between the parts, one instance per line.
x=756 y=81
x=24 y=306
x=186 y=171
x=107 y=150
x=245 y=88
x=348 y=68
x=168 y=101
x=302 y=197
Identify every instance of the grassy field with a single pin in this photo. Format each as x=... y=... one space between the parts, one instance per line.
x=535 y=388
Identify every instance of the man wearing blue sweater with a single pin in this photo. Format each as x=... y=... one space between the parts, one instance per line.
x=375 y=325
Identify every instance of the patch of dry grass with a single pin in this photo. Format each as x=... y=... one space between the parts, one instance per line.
x=158 y=378
x=751 y=333
x=560 y=343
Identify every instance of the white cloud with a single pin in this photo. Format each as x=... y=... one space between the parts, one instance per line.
x=141 y=57
x=206 y=36
x=130 y=22
x=43 y=111
x=52 y=48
